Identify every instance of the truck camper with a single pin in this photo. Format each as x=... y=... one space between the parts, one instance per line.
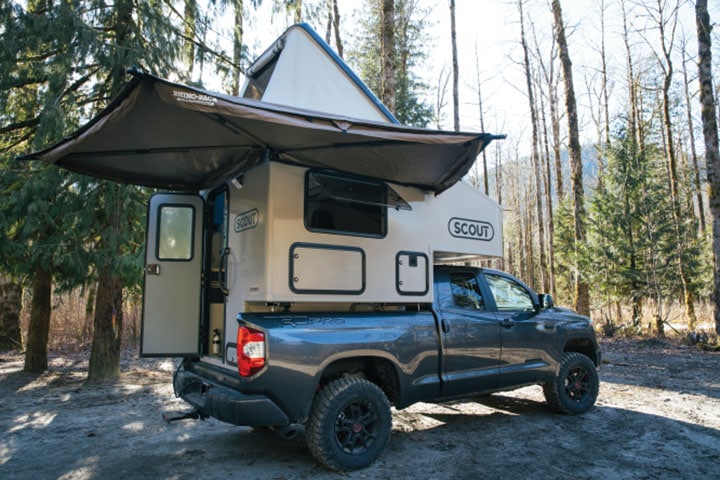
x=293 y=261
x=276 y=206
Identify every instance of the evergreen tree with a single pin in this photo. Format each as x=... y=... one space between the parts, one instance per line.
x=632 y=254
x=410 y=38
x=37 y=203
x=61 y=63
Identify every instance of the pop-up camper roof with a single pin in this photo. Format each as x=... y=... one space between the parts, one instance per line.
x=300 y=70
x=162 y=134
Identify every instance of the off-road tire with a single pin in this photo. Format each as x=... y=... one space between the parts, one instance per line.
x=349 y=425
x=576 y=386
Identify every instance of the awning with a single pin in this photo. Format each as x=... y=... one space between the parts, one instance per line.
x=161 y=134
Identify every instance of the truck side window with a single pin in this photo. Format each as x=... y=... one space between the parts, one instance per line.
x=466 y=291
x=509 y=295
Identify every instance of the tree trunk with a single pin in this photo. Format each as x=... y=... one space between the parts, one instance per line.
x=632 y=121
x=547 y=175
x=693 y=151
x=336 y=25
x=604 y=72
x=582 y=292
x=189 y=27
x=456 y=74
x=389 y=64
x=710 y=135
x=237 y=45
x=10 y=308
x=107 y=326
x=89 y=313
x=297 y=18
x=36 y=359
x=672 y=161
x=486 y=180
x=535 y=156
x=555 y=128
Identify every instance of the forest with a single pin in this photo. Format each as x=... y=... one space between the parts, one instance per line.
x=609 y=176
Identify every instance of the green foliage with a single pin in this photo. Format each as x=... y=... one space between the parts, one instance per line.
x=60 y=63
x=410 y=38
x=633 y=245
x=564 y=238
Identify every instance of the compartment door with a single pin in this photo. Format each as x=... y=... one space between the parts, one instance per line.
x=173 y=276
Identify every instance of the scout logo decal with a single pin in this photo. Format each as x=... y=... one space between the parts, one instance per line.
x=471 y=229
x=246 y=220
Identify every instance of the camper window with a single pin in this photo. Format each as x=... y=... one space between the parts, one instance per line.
x=175 y=232
x=345 y=205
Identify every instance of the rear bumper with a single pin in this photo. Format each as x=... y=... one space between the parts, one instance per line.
x=226 y=404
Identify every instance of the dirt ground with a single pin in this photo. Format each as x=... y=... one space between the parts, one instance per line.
x=657 y=416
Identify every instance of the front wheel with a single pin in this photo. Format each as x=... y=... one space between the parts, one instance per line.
x=349 y=425
x=576 y=386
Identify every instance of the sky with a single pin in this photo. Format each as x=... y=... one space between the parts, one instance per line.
x=488 y=33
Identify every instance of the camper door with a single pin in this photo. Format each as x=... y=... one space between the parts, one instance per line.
x=173 y=273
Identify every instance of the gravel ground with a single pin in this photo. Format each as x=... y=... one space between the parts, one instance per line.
x=657 y=416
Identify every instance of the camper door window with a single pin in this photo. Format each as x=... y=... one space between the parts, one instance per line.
x=344 y=205
x=175 y=232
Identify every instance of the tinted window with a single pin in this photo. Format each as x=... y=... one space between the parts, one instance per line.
x=509 y=295
x=466 y=291
x=337 y=204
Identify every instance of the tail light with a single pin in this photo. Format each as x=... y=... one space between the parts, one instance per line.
x=251 y=351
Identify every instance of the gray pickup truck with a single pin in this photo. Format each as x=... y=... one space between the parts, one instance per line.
x=338 y=374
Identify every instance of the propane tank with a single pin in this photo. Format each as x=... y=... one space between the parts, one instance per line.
x=216 y=342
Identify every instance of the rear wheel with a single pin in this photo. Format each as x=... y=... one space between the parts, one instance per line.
x=576 y=386
x=349 y=425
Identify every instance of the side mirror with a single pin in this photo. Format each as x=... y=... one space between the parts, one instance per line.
x=546 y=301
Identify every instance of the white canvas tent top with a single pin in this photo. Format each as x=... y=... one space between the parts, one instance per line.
x=300 y=70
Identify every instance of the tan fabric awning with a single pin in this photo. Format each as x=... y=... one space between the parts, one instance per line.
x=165 y=135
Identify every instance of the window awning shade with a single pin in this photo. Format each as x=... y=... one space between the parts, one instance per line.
x=161 y=134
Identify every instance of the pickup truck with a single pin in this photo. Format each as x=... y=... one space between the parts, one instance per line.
x=338 y=374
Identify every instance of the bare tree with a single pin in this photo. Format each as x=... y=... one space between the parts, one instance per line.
x=582 y=292
x=604 y=72
x=456 y=74
x=634 y=123
x=535 y=154
x=441 y=97
x=666 y=20
x=710 y=135
x=481 y=114
x=546 y=75
x=336 y=26
x=333 y=23
x=691 y=134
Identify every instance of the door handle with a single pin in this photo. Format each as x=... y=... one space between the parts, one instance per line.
x=223 y=271
x=444 y=326
x=152 y=269
x=507 y=323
